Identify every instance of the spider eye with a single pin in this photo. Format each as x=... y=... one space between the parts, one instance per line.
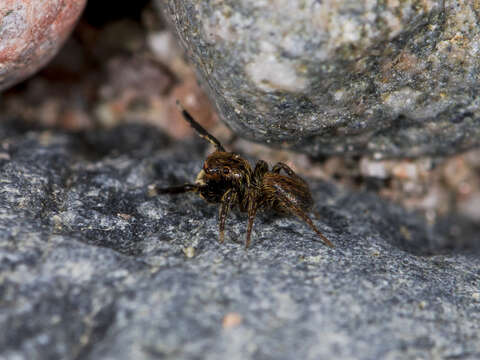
x=226 y=170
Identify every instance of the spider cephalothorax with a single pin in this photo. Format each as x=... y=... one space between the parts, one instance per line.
x=228 y=179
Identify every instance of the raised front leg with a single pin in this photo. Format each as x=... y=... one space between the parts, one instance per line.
x=228 y=199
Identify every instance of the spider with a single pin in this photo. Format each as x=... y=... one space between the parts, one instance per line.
x=228 y=179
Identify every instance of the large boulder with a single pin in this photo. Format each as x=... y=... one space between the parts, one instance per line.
x=389 y=78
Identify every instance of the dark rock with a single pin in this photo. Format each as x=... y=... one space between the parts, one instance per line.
x=394 y=78
x=92 y=267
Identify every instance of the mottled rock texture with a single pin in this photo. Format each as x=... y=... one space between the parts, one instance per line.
x=390 y=78
x=31 y=32
x=92 y=267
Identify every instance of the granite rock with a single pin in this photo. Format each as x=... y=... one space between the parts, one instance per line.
x=389 y=78
x=31 y=32
x=94 y=267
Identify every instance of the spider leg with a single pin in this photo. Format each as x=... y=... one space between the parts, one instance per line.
x=316 y=214
x=228 y=199
x=291 y=207
x=261 y=167
x=180 y=189
x=252 y=211
x=288 y=170
x=282 y=166
x=199 y=129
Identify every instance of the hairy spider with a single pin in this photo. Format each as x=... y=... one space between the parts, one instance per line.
x=228 y=179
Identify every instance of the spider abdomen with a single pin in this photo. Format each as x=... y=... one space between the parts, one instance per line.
x=281 y=192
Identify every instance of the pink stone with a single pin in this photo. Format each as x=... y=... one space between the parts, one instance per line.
x=31 y=33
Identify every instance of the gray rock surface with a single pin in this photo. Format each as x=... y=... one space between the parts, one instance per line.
x=390 y=78
x=92 y=267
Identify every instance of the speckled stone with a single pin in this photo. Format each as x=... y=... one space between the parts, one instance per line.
x=389 y=78
x=93 y=267
x=31 y=32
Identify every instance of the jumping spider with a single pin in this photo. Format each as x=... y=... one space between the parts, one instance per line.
x=228 y=179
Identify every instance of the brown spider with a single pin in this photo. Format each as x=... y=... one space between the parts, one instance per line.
x=228 y=179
